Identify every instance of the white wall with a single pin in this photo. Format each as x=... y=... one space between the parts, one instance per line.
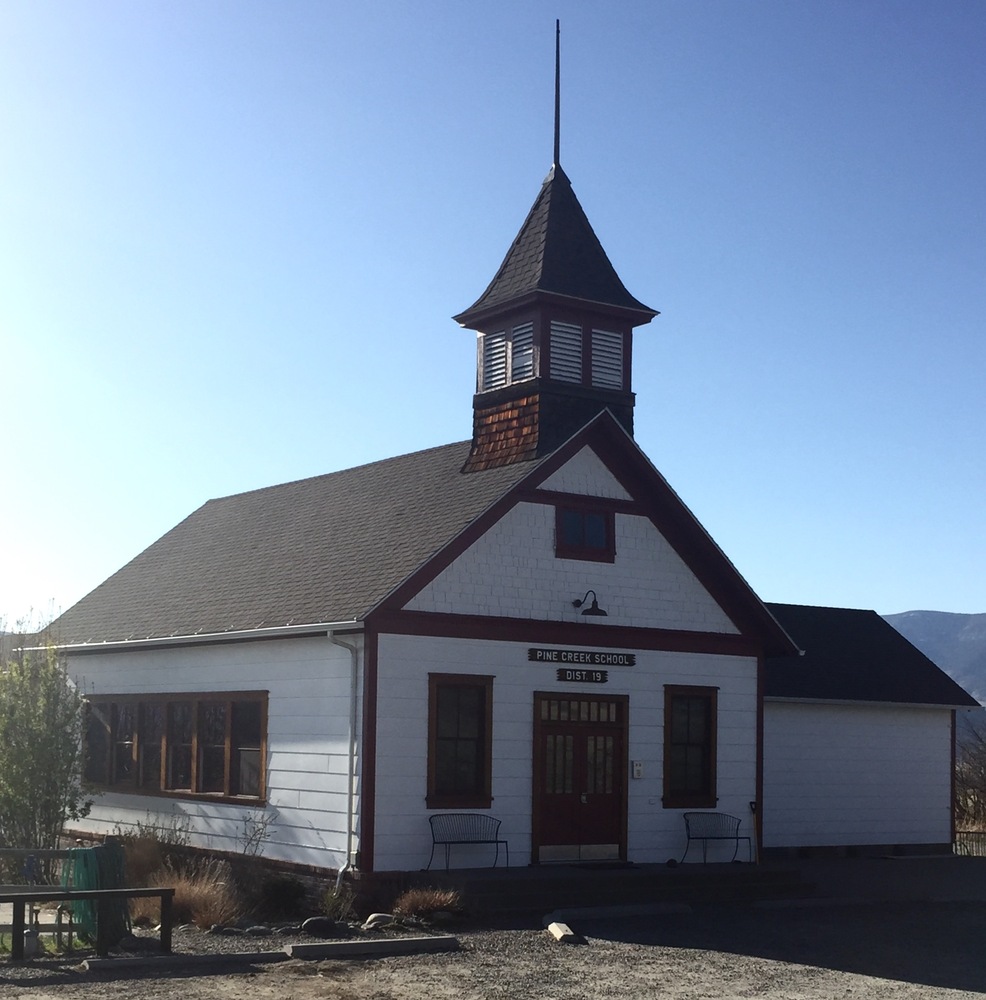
x=403 y=839
x=837 y=775
x=308 y=681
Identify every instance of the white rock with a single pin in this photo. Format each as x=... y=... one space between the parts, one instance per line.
x=562 y=932
x=377 y=920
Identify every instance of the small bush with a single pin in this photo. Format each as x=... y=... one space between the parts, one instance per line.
x=205 y=894
x=425 y=902
x=339 y=904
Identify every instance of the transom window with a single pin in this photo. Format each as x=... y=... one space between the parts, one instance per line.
x=689 y=747
x=189 y=745
x=460 y=717
x=584 y=533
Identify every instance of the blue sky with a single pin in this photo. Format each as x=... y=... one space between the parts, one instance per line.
x=232 y=236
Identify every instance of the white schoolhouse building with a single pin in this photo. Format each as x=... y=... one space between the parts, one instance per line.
x=528 y=624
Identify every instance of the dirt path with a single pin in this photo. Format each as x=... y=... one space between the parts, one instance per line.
x=874 y=952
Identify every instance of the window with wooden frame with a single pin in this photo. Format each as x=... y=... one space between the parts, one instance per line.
x=209 y=745
x=690 y=723
x=460 y=741
x=585 y=533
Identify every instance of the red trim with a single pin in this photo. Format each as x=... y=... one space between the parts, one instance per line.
x=368 y=751
x=580 y=501
x=561 y=633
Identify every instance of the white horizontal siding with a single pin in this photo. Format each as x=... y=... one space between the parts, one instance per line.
x=403 y=839
x=839 y=775
x=308 y=681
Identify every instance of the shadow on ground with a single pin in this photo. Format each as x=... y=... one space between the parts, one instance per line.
x=930 y=944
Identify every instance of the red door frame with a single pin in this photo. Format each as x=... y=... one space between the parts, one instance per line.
x=538 y=763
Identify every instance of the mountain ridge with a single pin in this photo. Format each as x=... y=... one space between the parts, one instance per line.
x=954 y=641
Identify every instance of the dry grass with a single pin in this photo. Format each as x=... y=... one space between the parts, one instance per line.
x=144 y=857
x=205 y=894
x=426 y=901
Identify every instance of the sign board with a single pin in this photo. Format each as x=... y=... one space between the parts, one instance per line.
x=575 y=676
x=582 y=657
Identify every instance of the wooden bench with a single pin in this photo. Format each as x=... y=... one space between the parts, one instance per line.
x=706 y=826
x=20 y=897
x=448 y=829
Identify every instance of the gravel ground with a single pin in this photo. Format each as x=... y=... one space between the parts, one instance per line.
x=865 y=952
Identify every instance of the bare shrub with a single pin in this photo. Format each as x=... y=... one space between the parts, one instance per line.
x=205 y=894
x=339 y=904
x=424 y=902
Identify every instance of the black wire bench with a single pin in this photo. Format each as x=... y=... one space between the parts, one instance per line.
x=706 y=826
x=448 y=829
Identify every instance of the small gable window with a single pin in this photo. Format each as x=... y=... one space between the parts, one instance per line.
x=584 y=533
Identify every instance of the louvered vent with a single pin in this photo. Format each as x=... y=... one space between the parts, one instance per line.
x=494 y=360
x=607 y=359
x=522 y=353
x=566 y=352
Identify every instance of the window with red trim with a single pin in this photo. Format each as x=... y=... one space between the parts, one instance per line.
x=201 y=745
x=689 y=747
x=460 y=723
x=585 y=533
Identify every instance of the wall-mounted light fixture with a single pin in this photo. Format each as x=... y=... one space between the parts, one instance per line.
x=593 y=608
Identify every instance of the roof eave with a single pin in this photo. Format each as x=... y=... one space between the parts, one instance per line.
x=209 y=638
x=476 y=314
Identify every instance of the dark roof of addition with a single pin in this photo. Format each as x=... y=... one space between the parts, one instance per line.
x=326 y=549
x=852 y=655
x=556 y=251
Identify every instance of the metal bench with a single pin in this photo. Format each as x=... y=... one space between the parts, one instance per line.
x=706 y=826
x=448 y=829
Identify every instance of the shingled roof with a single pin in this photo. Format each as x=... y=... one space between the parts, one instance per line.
x=325 y=549
x=854 y=655
x=556 y=251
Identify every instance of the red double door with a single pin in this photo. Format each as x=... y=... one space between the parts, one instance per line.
x=579 y=778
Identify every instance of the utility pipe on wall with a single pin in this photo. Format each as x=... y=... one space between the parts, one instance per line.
x=351 y=794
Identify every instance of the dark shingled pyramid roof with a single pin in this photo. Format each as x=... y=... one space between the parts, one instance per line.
x=326 y=549
x=854 y=655
x=556 y=251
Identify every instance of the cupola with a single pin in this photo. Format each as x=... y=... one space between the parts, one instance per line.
x=554 y=332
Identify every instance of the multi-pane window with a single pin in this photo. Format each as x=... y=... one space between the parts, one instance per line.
x=689 y=747
x=506 y=356
x=211 y=745
x=584 y=533
x=460 y=717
